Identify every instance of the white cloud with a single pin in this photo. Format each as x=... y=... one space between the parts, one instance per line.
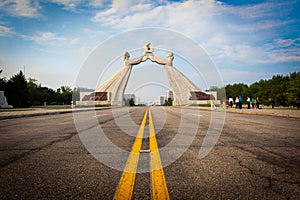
x=249 y=54
x=252 y=12
x=68 y=4
x=197 y=19
x=284 y=50
x=130 y=14
x=5 y=31
x=22 y=8
x=244 y=53
x=73 y=4
x=75 y=41
x=254 y=27
x=288 y=42
x=96 y=3
x=236 y=33
x=289 y=55
x=94 y=33
x=45 y=38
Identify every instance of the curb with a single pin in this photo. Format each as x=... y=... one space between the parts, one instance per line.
x=49 y=113
x=253 y=113
x=265 y=114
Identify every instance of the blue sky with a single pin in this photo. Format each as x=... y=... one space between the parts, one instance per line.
x=247 y=40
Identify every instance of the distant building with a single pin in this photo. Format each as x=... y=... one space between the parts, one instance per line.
x=137 y=102
x=169 y=94
x=162 y=99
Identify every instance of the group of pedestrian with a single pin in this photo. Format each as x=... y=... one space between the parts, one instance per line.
x=255 y=103
x=238 y=102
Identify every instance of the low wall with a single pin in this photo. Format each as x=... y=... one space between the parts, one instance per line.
x=92 y=103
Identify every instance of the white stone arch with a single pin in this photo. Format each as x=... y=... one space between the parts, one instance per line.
x=181 y=86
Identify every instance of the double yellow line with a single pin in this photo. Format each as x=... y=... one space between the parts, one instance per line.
x=158 y=181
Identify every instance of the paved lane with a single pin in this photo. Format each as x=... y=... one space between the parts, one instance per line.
x=256 y=157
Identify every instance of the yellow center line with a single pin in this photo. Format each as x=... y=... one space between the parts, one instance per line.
x=158 y=180
x=126 y=184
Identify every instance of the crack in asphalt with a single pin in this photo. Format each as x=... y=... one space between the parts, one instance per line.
x=269 y=179
x=291 y=162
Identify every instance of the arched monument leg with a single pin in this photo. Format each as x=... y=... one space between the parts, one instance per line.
x=116 y=85
x=180 y=85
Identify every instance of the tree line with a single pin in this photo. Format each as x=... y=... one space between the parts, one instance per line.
x=25 y=93
x=285 y=90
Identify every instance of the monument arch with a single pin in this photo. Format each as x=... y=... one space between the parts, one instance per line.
x=112 y=90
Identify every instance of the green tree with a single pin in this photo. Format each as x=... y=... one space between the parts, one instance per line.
x=131 y=102
x=64 y=95
x=293 y=88
x=17 y=91
x=168 y=102
x=33 y=91
x=3 y=83
x=284 y=89
x=38 y=95
x=237 y=89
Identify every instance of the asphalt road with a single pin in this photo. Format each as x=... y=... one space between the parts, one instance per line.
x=43 y=157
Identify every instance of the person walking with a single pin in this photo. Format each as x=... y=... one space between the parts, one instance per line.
x=237 y=102
x=230 y=102
x=254 y=103
x=240 y=102
x=248 y=102
x=257 y=102
x=224 y=103
x=272 y=103
x=212 y=104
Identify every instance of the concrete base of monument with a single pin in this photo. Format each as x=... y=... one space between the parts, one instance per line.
x=6 y=106
x=202 y=102
x=93 y=103
x=3 y=101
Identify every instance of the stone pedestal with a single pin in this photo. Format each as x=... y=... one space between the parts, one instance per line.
x=3 y=101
